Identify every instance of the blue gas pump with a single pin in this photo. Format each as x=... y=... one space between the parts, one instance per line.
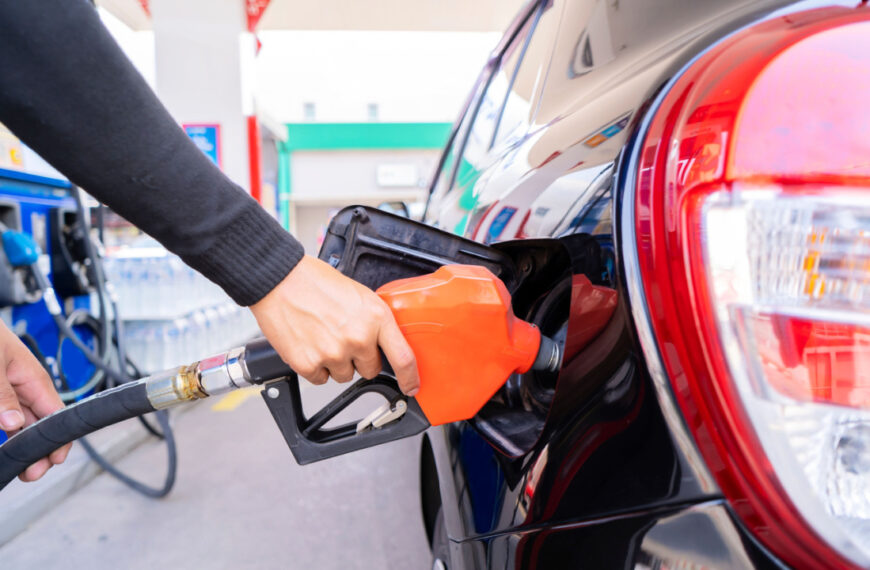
x=42 y=208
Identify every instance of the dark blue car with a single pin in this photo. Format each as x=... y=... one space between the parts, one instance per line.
x=687 y=183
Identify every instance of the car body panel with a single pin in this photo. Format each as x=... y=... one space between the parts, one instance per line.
x=699 y=536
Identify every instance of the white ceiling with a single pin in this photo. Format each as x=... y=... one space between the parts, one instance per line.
x=412 y=15
x=128 y=11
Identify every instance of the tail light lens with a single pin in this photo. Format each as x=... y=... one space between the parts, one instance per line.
x=753 y=233
x=789 y=285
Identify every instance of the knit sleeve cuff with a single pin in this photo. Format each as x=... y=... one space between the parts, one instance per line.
x=250 y=257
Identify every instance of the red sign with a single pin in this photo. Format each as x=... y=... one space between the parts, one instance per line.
x=254 y=10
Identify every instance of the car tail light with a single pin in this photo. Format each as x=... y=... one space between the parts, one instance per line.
x=752 y=219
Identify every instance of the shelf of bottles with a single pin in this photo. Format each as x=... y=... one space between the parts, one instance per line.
x=172 y=315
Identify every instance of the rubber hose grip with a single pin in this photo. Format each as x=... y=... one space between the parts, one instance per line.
x=67 y=425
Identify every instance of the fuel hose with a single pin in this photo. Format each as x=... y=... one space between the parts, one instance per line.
x=208 y=377
x=109 y=407
x=83 y=318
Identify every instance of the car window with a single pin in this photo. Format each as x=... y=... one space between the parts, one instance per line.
x=444 y=177
x=492 y=105
x=528 y=70
x=468 y=156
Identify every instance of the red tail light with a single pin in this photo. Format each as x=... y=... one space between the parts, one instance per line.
x=753 y=234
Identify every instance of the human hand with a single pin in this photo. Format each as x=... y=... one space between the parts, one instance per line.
x=26 y=394
x=325 y=324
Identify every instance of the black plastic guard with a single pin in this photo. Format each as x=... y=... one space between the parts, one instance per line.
x=374 y=247
x=310 y=442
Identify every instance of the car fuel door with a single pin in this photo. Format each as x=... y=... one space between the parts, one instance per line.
x=374 y=247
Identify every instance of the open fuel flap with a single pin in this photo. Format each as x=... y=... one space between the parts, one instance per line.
x=374 y=248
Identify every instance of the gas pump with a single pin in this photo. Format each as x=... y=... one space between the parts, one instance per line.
x=37 y=201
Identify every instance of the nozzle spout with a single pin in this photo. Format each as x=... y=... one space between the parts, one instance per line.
x=549 y=355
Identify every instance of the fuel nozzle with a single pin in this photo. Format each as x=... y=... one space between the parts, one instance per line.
x=459 y=323
x=467 y=340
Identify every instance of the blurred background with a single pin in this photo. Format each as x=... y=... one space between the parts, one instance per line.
x=311 y=105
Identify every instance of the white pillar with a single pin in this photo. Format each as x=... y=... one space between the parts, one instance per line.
x=203 y=57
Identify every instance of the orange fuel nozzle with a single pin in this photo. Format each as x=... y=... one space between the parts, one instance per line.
x=467 y=340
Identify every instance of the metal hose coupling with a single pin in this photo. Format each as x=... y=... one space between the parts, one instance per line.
x=171 y=387
x=211 y=376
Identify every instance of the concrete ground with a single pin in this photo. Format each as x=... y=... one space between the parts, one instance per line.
x=240 y=501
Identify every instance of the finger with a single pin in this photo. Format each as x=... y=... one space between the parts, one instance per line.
x=368 y=365
x=58 y=456
x=30 y=381
x=342 y=373
x=11 y=416
x=35 y=471
x=318 y=377
x=401 y=357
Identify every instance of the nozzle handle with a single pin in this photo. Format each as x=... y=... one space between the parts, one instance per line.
x=263 y=363
x=308 y=437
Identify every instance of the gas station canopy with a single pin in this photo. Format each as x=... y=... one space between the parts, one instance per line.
x=383 y=15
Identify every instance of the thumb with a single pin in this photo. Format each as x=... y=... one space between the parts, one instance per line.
x=11 y=417
x=400 y=356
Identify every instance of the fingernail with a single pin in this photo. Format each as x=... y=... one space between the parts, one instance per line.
x=413 y=392
x=11 y=419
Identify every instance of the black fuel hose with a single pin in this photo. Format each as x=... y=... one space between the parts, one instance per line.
x=69 y=334
x=138 y=486
x=100 y=327
x=80 y=318
x=165 y=432
x=136 y=375
x=40 y=439
x=31 y=344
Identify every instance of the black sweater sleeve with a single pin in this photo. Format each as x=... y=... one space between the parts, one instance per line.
x=69 y=93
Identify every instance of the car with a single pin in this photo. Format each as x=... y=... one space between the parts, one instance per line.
x=687 y=183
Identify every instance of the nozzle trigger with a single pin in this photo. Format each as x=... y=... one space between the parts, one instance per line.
x=384 y=414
